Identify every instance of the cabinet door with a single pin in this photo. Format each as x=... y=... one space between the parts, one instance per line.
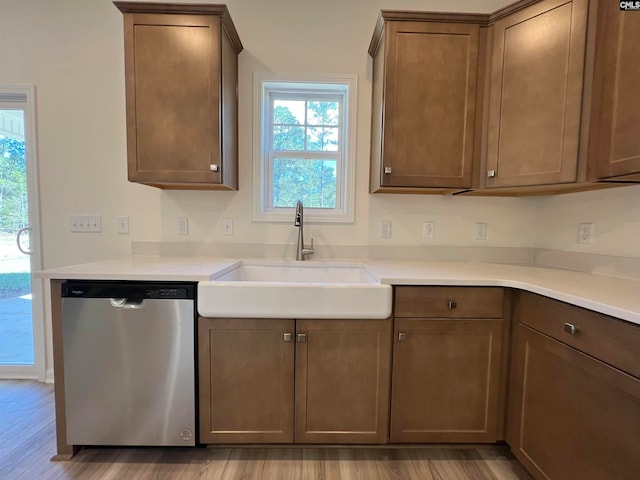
x=536 y=92
x=245 y=371
x=615 y=141
x=173 y=78
x=446 y=380
x=570 y=415
x=342 y=381
x=429 y=104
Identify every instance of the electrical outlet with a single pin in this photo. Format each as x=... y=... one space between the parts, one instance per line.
x=227 y=226
x=182 y=226
x=481 y=231
x=385 y=229
x=585 y=233
x=428 y=230
x=122 y=225
x=85 y=223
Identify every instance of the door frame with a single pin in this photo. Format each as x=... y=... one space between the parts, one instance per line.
x=24 y=96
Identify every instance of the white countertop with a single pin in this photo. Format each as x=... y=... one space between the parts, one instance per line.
x=613 y=296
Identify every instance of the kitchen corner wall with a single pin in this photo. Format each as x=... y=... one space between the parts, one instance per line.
x=72 y=50
x=615 y=214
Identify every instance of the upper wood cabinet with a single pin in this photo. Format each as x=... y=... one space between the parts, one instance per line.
x=181 y=76
x=537 y=98
x=615 y=113
x=562 y=112
x=425 y=76
x=535 y=94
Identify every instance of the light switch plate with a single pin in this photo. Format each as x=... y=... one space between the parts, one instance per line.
x=227 y=226
x=85 y=223
x=122 y=225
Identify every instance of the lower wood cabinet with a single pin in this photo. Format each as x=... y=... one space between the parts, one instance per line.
x=253 y=371
x=448 y=364
x=245 y=373
x=446 y=380
x=570 y=414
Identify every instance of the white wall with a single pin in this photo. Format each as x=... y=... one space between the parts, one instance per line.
x=614 y=212
x=72 y=50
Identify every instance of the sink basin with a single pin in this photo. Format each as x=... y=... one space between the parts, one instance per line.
x=293 y=273
x=294 y=290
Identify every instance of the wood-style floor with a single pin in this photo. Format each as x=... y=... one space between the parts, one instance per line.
x=27 y=442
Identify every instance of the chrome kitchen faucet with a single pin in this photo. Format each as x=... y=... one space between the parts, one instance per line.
x=301 y=251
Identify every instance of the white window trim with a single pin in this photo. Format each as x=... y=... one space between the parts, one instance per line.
x=344 y=215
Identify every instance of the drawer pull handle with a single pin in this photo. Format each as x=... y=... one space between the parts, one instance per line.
x=402 y=337
x=452 y=304
x=302 y=337
x=570 y=328
x=287 y=337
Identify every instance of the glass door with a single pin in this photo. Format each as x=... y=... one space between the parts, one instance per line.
x=19 y=351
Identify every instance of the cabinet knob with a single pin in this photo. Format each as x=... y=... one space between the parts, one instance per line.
x=302 y=337
x=387 y=170
x=570 y=328
x=214 y=167
x=287 y=337
x=402 y=337
x=453 y=304
x=491 y=173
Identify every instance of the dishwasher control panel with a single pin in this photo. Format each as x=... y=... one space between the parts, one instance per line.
x=137 y=290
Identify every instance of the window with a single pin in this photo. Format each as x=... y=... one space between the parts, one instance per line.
x=304 y=147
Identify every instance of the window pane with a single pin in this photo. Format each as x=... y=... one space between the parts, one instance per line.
x=322 y=139
x=323 y=113
x=312 y=181
x=288 y=112
x=288 y=138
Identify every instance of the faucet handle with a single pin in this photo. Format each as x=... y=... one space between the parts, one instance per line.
x=308 y=250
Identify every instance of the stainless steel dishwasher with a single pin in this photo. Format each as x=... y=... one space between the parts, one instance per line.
x=129 y=363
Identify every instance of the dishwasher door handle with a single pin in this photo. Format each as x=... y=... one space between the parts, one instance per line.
x=126 y=303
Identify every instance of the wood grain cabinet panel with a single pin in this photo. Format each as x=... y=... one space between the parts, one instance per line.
x=573 y=416
x=574 y=392
x=449 y=364
x=342 y=381
x=446 y=380
x=614 y=135
x=537 y=68
x=448 y=302
x=246 y=369
x=424 y=103
x=181 y=76
x=248 y=390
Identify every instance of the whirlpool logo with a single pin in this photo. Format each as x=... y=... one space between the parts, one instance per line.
x=630 y=5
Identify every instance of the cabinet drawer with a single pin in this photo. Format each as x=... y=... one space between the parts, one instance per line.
x=613 y=341
x=449 y=302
